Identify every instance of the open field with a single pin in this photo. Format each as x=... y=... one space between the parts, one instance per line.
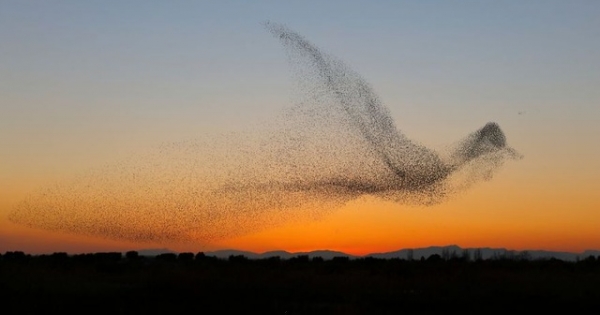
x=115 y=283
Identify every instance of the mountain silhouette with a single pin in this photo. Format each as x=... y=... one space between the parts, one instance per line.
x=417 y=253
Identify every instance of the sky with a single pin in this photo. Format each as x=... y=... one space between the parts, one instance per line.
x=84 y=84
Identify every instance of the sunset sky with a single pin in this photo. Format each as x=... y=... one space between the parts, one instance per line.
x=86 y=83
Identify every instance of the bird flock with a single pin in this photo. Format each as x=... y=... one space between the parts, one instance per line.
x=337 y=142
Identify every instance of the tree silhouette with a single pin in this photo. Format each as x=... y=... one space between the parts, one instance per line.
x=477 y=255
x=185 y=257
x=166 y=257
x=132 y=255
x=410 y=254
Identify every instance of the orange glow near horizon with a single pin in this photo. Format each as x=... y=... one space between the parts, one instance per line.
x=361 y=231
x=173 y=122
x=483 y=217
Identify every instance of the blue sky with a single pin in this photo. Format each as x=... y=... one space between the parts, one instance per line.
x=86 y=82
x=432 y=60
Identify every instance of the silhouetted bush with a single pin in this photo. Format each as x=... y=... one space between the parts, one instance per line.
x=132 y=255
x=589 y=259
x=435 y=258
x=318 y=259
x=300 y=259
x=238 y=258
x=273 y=259
x=84 y=258
x=60 y=256
x=166 y=257
x=16 y=256
x=108 y=257
x=185 y=257
x=340 y=259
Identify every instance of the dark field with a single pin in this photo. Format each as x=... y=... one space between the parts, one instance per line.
x=112 y=283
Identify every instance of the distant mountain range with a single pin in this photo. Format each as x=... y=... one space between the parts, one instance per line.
x=415 y=253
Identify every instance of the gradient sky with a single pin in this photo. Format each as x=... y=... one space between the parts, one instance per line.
x=84 y=83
